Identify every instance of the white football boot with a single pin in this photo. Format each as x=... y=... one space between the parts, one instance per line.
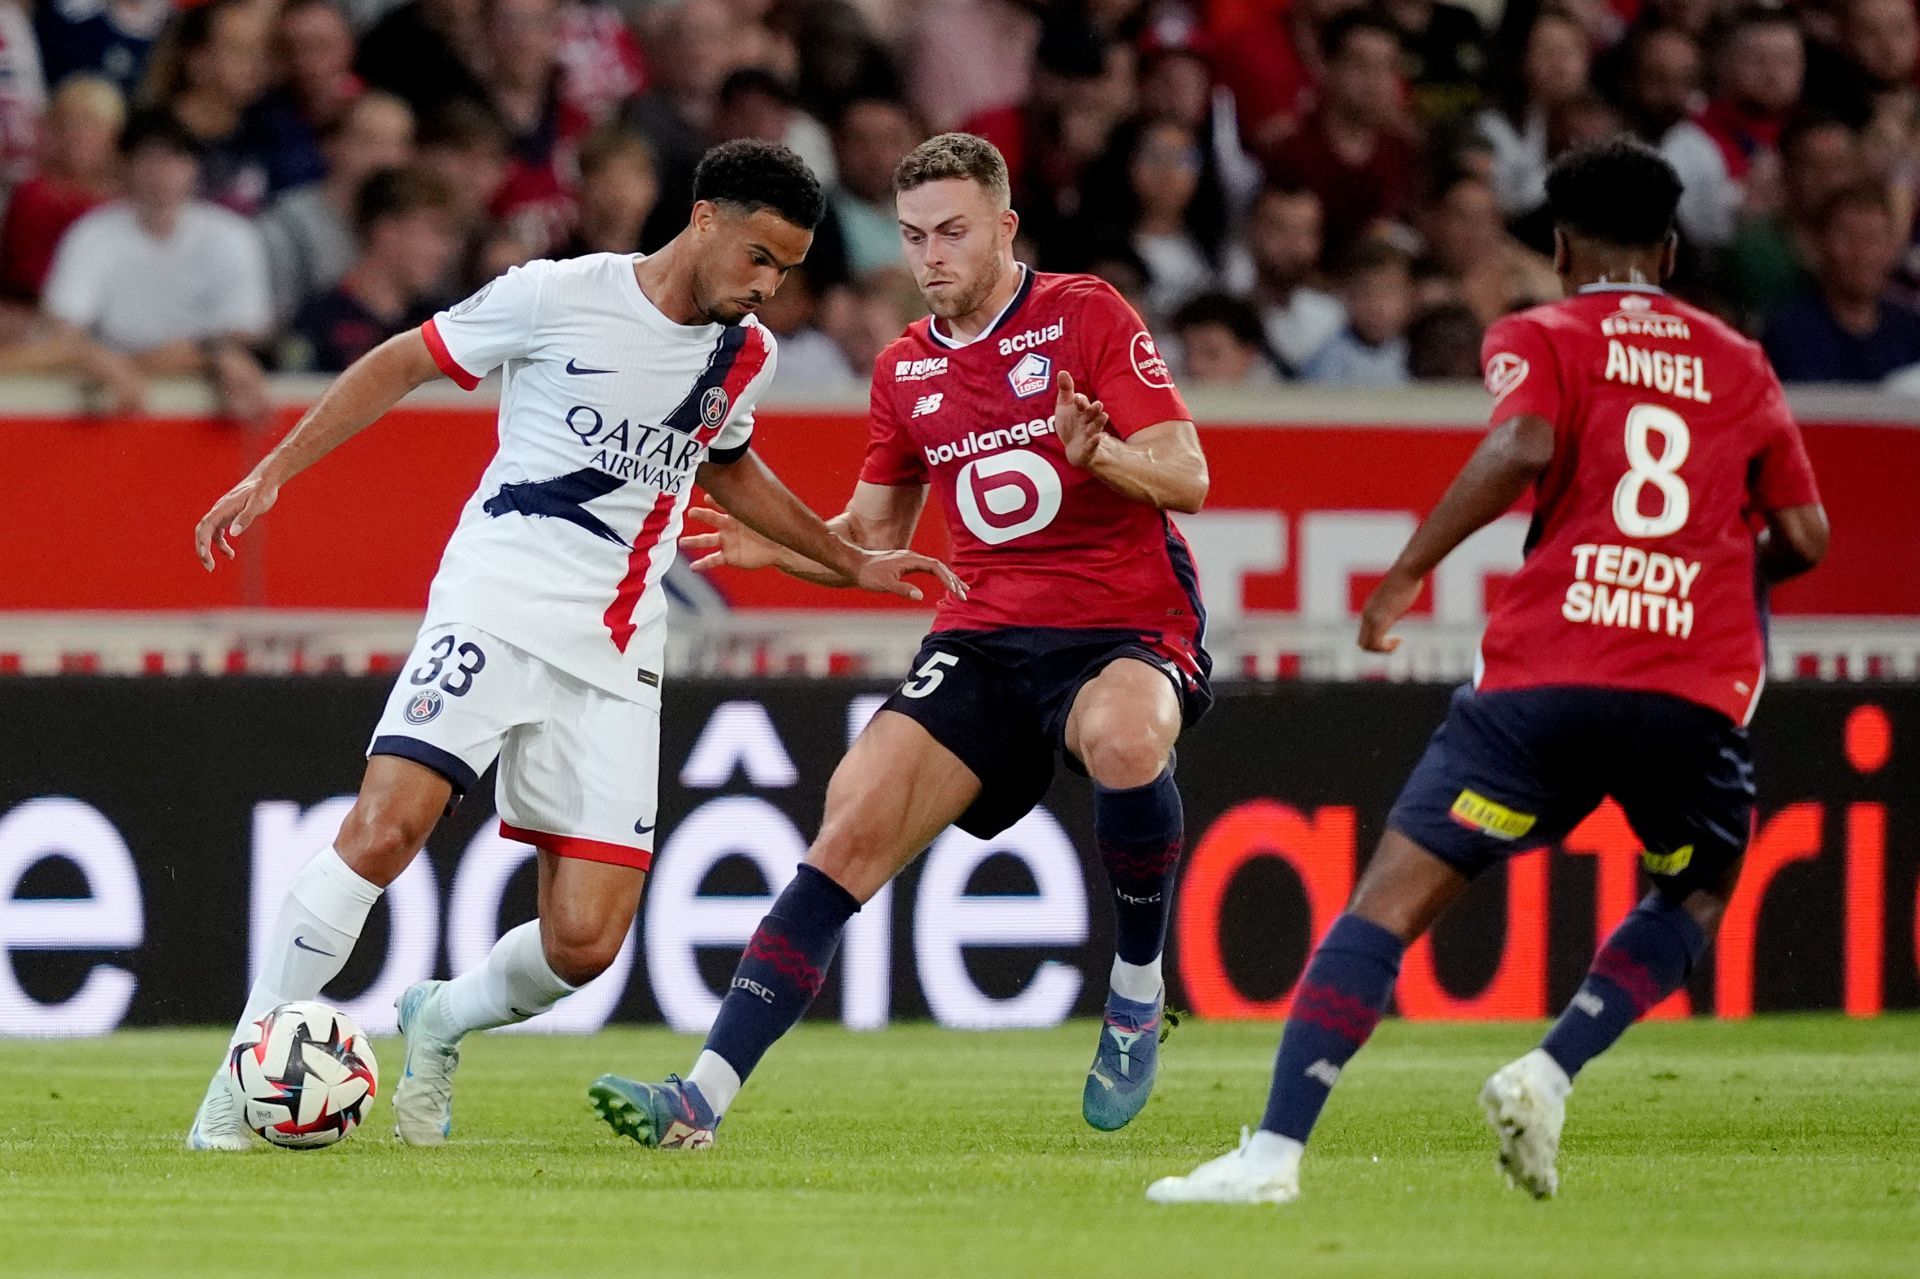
x=219 y=1124
x=1526 y=1102
x=1265 y=1169
x=423 y=1101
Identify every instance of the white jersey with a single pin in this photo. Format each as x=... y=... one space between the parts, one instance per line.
x=606 y=410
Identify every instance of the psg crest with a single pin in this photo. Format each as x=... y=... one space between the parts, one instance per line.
x=424 y=706
x=713 y=406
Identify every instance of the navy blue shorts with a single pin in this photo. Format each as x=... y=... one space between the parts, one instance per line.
x=1518 y=769
x=999 y=700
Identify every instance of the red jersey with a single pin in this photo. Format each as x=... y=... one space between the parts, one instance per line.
x=1038 y=540
x=1671 y=438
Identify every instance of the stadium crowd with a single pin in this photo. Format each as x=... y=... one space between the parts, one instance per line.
x=1311 y=190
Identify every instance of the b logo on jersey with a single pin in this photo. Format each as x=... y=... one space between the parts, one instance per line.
x=1149 y=364
x=927 y=405
x=1031 y=376
x=1504 y=372
x=424 y=706
x=713 y=406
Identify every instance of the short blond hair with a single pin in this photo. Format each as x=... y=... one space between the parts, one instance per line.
x=956 y=155
x=94 y=96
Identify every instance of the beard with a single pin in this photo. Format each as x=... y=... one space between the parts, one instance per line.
x=958 y=301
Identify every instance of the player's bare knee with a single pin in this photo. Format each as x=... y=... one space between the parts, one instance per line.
x=1119 y=756
x=378 y=842
x=579 y=954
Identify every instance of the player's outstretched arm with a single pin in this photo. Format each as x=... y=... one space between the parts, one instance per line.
x=1507 y=462
x=1161 y=465
x=796 y=540
x=881 y=517
x=370 y=386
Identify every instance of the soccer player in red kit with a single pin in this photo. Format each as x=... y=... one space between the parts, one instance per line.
x=1079 y=634
x=1624 y=659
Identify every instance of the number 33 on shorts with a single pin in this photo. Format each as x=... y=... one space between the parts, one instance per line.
x=928 y=677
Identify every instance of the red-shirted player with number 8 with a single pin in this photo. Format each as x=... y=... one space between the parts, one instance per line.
x=1039 y=408
x=1624 y=659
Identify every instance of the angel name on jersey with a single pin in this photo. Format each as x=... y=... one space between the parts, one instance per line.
x=657 y=456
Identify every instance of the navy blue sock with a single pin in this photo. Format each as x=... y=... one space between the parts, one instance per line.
x=1335 y=1008
x=1647 y=958
x=782 y=970
x=1141 y=832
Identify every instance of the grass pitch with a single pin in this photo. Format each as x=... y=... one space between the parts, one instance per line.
x=1781 y=1146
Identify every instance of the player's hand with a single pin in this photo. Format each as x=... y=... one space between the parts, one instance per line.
x=244 y=503
x=731 y=544
x=1078 y=421
x=886 y=572
x=1385 y=607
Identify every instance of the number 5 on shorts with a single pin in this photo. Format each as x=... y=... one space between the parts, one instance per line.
x=931 y=672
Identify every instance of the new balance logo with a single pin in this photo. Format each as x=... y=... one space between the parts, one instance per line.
x=681 y=1135
x=1324 y=1071
x=927 y=404
x=1589 y=1003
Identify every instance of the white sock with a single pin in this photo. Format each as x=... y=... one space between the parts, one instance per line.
x=514 y=984
x=1138 y=982
x=321 y=919
x=716 y=1080
x=1271 y=1150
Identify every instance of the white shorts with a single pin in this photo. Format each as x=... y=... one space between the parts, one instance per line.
x=579 y=767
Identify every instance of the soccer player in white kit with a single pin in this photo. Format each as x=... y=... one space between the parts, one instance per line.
x=625 y=381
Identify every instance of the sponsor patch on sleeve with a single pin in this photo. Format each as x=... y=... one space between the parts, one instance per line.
x=1148 y=363
x=1505 y=371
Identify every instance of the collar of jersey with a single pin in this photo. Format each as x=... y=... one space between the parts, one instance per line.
x=1013 y=304
x=1627 y=287
x=644 y=304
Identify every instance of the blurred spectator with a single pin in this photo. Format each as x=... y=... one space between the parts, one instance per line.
x=1372 y=349
x=1283 y=238
x=545 y=132
x=998 y=38
x=1350 y=151
x=313 y=47
x=23 y=95
x=601 y=65
x=308 y=233
x=1446 y=50
x=864 y=319
x=208 y=71
x=756 y=103
x=404 y=218
x=808 y=357
x=425 y=53
x=79 y=170
x=695 y=46
x=1554 y=67
x=1847 y=328
x=1490 y=272
x=1274 y=57
x=1221 y=342
x=465 y=145
x=179 y=283
x=1874 y=58
x=109 y=38
x=1443 y=345
x=1766 y=263
x=870 y=139
x=1176 y=217
x=1113 y=260
x=1761 y=70
x=1661 y=84
x=1176 y=83
x=617 y=193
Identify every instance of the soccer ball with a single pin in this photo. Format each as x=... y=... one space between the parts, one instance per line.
x=304 y=1075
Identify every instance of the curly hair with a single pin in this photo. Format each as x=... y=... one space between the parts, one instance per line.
x=748 y=175
x=1620 y=192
